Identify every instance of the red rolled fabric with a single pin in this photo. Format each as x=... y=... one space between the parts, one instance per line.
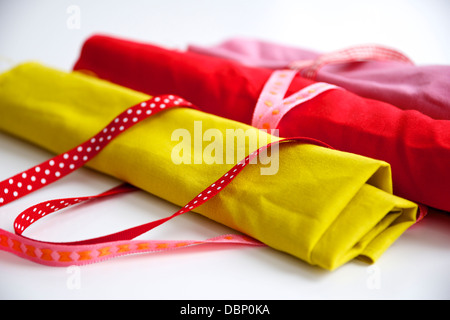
x=416 y=146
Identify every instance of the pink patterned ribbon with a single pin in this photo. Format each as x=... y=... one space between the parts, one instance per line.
x=62 y=255
x=310 y=68
x=272 y=105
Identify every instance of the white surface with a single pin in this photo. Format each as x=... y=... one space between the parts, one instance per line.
x=415 y=267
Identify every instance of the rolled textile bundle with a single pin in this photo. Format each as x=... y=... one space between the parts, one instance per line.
x=323 y=206
x=416 y=146
x=370 y=71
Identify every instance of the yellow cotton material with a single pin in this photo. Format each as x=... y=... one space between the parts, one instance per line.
x=323 y=206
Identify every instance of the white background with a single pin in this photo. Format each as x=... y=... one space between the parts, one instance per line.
x=415 y=267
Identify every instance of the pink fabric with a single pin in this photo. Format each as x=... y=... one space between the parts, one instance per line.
x=409 y=87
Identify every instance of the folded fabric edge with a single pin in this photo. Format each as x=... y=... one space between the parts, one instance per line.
x=374 y=221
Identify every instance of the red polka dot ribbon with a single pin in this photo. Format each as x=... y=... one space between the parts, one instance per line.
x=54 y=169
x=119 y=243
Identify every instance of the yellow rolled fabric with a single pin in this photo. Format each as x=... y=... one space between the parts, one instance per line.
x=323 y=206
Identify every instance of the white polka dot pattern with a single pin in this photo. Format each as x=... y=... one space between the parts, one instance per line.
x=40 y=210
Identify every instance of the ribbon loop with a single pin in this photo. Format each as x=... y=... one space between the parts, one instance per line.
x=310 y=68
x=272 y=105
x=119 y=243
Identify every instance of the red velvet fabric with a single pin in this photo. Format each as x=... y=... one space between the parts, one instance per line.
x=416 y=146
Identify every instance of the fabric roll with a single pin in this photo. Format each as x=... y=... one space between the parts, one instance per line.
x=425 y=88
x=416 y=146
x=322 y=205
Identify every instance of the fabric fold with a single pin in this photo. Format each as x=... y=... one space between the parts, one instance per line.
x=416 y=146
x=323 y=206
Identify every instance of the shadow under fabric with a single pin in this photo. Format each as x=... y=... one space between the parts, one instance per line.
x=323 y=206
x=416 y=146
